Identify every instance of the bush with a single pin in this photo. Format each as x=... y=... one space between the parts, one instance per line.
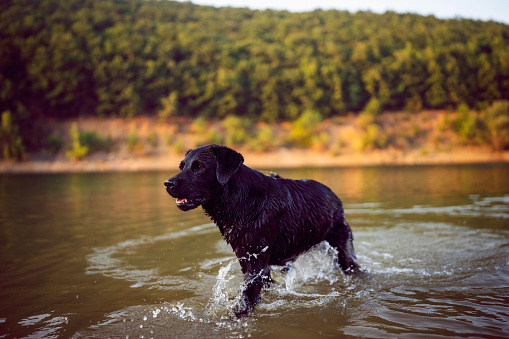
x=199 y=126
x=236 y=130
x=305 y=128
x=213 y=137
x=496 y=118
x=95 y=142
x=54 y=143
x=264 y=140
x=176 y=144
x=320 y=141
x=10 y=140
x=468 y=126
x=152 y=139
x=365 y=119
x=169 y=106
x=373 y=106
x=133 y=141
x=374 y=137
x=76 y=150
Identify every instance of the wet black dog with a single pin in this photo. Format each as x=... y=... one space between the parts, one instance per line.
x=267 y=220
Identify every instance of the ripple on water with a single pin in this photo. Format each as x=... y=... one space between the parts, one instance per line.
x=434 y=279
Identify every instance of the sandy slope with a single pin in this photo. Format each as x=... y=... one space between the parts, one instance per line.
x=412 y=139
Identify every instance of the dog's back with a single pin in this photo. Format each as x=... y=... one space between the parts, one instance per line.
x=290 y=216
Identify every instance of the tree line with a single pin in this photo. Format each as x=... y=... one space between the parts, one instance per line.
x=69 y=58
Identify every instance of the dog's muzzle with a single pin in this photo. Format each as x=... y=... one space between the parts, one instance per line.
x=185 y=204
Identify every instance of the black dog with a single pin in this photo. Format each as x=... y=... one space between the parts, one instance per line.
x=267 y=220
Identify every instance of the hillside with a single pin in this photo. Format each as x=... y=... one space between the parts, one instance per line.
x=74 y=58
x=143 y=143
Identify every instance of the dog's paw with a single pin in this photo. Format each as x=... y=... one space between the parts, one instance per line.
x=242 y=310
x=244 y=307
x=242 y=313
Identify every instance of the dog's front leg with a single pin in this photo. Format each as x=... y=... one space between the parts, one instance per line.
x=256 y=274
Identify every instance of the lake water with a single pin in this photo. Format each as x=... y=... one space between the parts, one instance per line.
x=110 y=255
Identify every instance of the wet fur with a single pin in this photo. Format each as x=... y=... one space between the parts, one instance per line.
x=267 y=220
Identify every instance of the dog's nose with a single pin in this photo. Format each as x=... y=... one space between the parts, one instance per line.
x=170 y=183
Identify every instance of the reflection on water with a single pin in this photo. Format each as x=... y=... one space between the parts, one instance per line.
x=109 y=255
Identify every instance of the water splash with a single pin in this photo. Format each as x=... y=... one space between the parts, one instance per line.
x=225 y=293
x=318 y=264
x=303 y=278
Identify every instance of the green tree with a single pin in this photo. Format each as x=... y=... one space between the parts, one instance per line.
x=435 y=95
x=124 y=58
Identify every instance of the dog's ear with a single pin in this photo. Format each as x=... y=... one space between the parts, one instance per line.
x=228 y=162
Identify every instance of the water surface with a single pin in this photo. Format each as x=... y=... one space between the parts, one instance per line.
x=110 y=255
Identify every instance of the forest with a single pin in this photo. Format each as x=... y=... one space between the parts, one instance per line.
x=64 y=59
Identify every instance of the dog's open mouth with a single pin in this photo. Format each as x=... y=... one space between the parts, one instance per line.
x=188 y=204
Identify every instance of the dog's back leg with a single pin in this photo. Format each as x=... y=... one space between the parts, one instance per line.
x=341 y=238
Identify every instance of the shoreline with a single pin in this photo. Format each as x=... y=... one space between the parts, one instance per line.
x=150 y=144
x=279 y=159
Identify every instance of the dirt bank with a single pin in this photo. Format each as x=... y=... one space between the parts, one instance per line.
x=143 y=144
x=283 y=158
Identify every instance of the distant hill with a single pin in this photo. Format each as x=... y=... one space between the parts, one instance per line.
x=68 y=58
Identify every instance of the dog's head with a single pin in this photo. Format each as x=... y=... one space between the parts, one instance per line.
x=203 y=174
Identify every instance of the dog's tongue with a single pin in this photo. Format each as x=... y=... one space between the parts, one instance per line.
x=181 y=201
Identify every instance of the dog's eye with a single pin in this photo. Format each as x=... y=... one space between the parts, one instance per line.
x=196 y=166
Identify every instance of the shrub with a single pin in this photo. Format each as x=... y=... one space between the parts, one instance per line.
x=178 y=146
x=169 y=106
x=10 y=140
x=76 y=150
x=54 y=143
x=95 y=142
x=336 y=148
x=365 y=119
x=468 y=126
x=373 y=137
x=213 y=137
x=199 y=126
x=320 y=141
x=496 y=118
x=373 y=107
x=264 y=140
x=210 y=137
x=305 y=128
x=133 y=141
x=152 y=139
x=236 y=130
